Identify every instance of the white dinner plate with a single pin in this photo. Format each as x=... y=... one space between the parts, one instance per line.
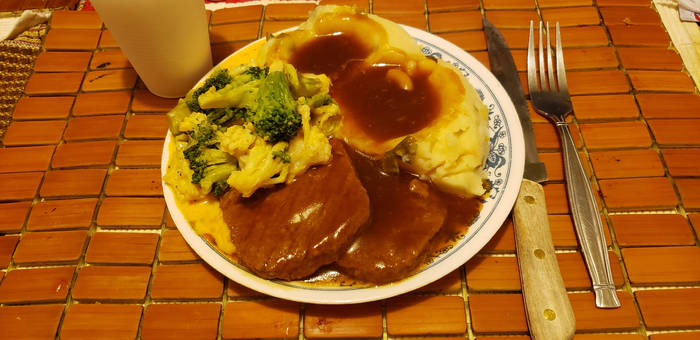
x=504 y=167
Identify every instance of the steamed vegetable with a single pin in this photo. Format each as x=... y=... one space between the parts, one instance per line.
x=218 y=80
x=276 y=117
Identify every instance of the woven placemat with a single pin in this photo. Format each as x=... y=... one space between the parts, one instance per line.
x=17 y=58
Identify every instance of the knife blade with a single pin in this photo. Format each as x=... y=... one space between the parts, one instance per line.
x=547 y=306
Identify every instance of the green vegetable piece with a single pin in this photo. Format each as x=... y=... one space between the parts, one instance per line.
x=306 y=84
x=232 y=95
x=214 y=156
x=218 y=80
x=283 y=156
x=276 y=116
x=219 y=188
x=216 y=173
x=200 y=152
x=197 y=165
x=226 y=116
x=320 y=99
x=240 y=92
x=257 y=72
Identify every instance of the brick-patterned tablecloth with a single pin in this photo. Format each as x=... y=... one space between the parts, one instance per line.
x=88 y=251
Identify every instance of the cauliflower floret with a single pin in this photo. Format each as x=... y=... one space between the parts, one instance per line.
x=327 y=118
x=259 y=168
x=193 y=120
x=236 y=140
x=310 y=149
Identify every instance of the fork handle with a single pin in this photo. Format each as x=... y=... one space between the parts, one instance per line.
x=589 y=227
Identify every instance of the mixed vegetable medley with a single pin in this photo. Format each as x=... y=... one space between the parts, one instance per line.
x=250 y=127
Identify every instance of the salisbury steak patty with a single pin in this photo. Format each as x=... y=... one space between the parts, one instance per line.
x=290 y=231
x=406 y=214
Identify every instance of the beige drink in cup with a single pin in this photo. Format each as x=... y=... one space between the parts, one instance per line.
x=166 y=41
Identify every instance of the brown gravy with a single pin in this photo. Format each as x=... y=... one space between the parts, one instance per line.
x=381 y=108
x=461 y=211
x=328 y=54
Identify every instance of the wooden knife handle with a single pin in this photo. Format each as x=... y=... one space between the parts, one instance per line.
x=549 y=312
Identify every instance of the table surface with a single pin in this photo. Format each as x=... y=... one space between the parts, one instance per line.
x=88 y=251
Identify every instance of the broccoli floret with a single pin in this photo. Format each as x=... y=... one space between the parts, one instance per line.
x=241 y=91
x=215 y=174
x=202 y=135
x=219 y=188
x=218 y=80
x=232 y=95
x=253 y=73
x=255 y=96
x=276 y=117
x=202 y=159
x=197 y=164
x=225 y=116
x=257 y=72
x=283 y=156
x=201 y=152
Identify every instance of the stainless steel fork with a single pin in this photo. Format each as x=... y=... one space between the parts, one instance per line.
x=550 y=98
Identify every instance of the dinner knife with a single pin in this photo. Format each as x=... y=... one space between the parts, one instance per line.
x=547 y=306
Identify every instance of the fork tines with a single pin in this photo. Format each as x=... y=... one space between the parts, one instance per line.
x=548 y=79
